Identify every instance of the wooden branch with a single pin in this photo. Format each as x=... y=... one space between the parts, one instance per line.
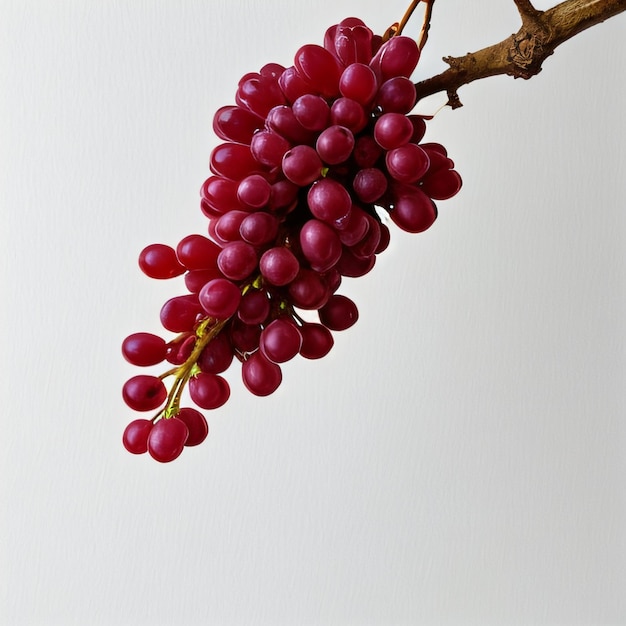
x=522 y=54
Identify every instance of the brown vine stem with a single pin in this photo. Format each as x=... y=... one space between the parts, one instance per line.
x=522 y=54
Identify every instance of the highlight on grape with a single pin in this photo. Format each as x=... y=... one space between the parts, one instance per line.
x=315 y=158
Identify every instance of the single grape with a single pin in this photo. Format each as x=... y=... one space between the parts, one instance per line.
x=320 y=245
x=220 y=194
x=217 y=356
x=196 y=279
x=259 y=94
x=220 y=298
x=442 y=184
x=311 y=112
x=319 y=68
x=335 y=145
x=358 y=82
x=237 y=260
x=308 y=290
x=196 y=252
x=180 y=314
x=329 y=200
x=279 y=266
x=254 y=191
x=135 y=437
x=369 y=184
x=259 y=228
x=254 y=307
x=144 y=393
x=396 y=95
x=167 y=439
x=280 y=340
x=260 y=375
x=208 y=391
x=413 y=210
x=272 y=70
x=317 y=340
x=392 y=130
x=339 y=313
x=144 y=349
x=396 y=57
x=281 y=120
x=159 y=261
x=302 y=165
x=293 y=85
x=227 y=226
x=407 y=164
x=232 y=123
x=234 y=161
x=349 y=113
x=269 y=148
x=196 y=425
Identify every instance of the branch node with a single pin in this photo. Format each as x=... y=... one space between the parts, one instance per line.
x=454 y=102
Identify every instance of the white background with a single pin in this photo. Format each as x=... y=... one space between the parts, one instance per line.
x=459 y=458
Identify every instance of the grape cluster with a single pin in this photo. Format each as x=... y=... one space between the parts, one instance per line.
x=314 y=156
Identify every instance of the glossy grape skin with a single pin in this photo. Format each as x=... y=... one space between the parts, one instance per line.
x=319 y=68
x=302 y=165
x=159 y=261
x=317 y=341
x=196 y=252
x=369 y=184
x=167 y=439
x=329 y=200
x=260 y=376
x=209 y=391
x=254 y=191
x=358 y=82
x=269 y=148
x=311 y=112
x=144 y=393
x=196 y=425
x=220 y=298
x=339 y=313
x=217 y=356
x=232 y=123
x=320 y=244
x=135 y=437
x=413 y=210
x=308 y=290
x=234 y=161
x=144 y=349
x=280 y=340
x=237 y=260
x=254 y=307
x=279 y=266
x=335 y=144
x=220 y=194
x=180 y=314
x=408 y=163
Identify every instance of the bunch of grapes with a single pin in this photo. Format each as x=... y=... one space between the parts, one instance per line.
x=315 y=157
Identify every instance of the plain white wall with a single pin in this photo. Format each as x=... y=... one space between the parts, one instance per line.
x=459 y=458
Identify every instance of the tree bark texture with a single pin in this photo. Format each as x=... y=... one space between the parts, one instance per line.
x=522 y=54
